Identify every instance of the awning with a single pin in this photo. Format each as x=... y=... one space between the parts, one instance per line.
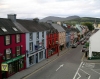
x=14 y=59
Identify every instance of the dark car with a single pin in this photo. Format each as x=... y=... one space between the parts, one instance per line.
x=74 y=45
x=84 y=48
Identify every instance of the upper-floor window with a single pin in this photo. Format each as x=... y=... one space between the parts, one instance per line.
x=43 y=42
x=18 y=50
x=37 y=42
x=31 y=46
x=7 y=38
x=3 y=29
x=18 y=38
x=42 y=34
x=37 y=34
x=8 y=54
x=30 y=36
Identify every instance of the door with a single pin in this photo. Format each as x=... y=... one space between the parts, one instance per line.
x=37 y=58
x=16 y=65
x=3 y=74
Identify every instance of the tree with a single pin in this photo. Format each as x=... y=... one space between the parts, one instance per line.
x=89 y=25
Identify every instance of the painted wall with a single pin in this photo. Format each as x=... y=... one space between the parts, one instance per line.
x=34 y=43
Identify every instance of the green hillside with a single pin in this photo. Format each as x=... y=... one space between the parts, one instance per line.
x=83 y=19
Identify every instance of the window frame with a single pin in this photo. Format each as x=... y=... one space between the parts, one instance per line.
x=30 y=36
x=19 y=50
x=37 y=35
x=31 y=44
x=17 y=38
x=42 y=34
x=6 y=40
x=6 y=54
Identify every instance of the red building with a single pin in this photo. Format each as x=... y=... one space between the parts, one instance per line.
x=12 y=49
x=52 y=43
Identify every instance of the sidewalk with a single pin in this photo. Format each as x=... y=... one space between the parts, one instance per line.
x=33 y=68
x=91 y=61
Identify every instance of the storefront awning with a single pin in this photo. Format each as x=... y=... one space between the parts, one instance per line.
x=14 y=59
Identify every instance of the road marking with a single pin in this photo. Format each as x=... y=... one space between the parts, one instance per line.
x=79 y=76
x=77 y=70
x=60 y=67
x=25 y=77
x=86 y=73
x=83 y=57
x=95 y=71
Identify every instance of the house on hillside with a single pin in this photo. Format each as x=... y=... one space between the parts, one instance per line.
x=94 y=45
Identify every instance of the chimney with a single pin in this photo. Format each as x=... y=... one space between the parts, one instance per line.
x=12 y=17
x=49 y=21
x=36 y=20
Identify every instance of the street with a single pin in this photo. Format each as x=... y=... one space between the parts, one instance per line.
x=64 y=67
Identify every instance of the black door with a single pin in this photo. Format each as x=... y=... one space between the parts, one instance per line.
x=37 y=58
x=16 y=66
x=3 y=74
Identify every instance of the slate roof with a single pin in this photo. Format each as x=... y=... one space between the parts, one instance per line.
x=33 y=26
x=8 y=24
x=58 y=27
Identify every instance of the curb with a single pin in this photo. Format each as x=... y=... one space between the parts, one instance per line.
x=45 y=64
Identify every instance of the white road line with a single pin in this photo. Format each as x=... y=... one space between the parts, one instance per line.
x=86 y=73
x=77 y=70
x=79 y=76
x=59 y=67
x=95 y=71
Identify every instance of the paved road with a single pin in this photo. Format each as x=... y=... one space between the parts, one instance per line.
x=64 y=67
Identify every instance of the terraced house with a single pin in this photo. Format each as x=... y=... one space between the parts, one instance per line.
x=35 y=41
x=12 y=48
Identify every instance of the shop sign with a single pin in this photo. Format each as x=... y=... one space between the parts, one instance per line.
x=4 y=67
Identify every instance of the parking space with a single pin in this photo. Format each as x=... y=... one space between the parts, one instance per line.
x=88 y=71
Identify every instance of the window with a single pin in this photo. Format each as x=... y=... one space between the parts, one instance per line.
x=31 y=60
x=43 y=42
x=37 y=34
x=7 y=39
x=42 y=34
x=3 y=29
x=41 y=55
x=18 y=38
x=8 y=53
x=31 y=46
x=18 y=50
x=30 y=36
x=15 y=29
x=37 y=42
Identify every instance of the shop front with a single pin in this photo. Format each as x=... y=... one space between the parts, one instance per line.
x=12 y=66
x=35 y=57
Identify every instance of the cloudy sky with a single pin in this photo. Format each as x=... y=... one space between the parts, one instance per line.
x=44 y=8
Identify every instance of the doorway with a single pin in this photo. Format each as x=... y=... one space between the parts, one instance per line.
x=16 y=66
x=37 y=58
x=4 y=75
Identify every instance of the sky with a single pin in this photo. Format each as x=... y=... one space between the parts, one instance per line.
x=43 y=8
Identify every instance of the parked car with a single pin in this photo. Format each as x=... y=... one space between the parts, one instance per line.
x=84 y=48
x=82 y=43
x=74 y=45
x=78 y=42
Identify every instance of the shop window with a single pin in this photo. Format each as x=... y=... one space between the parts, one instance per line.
x=96 y=54
x=7 y=39
x=10 y=68
x=18 y=38
x=41 y=55
x=18 y=50
x=31 y=59
x=31 y=46
x=30 y=36
x=8 y=53
x=21 y=63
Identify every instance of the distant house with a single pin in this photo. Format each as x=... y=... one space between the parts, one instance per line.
x=62 y=36
x=12 y=48
x=94 y=45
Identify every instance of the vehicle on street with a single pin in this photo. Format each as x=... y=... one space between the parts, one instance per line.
x=74 y=45
x=84 y=48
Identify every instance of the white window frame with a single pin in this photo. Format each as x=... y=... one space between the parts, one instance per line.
x=31 y=46
x=31 y=36
x=17 y=38
x=18 y=49
x=7 y=39
x=8 y=51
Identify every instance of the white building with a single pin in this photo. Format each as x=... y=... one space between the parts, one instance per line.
x=94 y=45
